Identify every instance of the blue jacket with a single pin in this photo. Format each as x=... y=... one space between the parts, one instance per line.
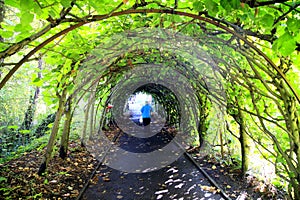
x=146 y=111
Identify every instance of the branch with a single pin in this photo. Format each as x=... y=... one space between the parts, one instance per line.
x=254 y=3
x=42 y=7
x=291 y=6
x=65 y=11
x=273 y=137
x=167 y=11
x=242 y=31
x=175 y=4
x=19 y=45
x=7 y=64
x=286 y=13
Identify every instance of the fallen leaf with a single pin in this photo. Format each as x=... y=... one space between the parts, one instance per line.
x=106 y=179
x=67 y=195
x=75 y=191
x=209 y=189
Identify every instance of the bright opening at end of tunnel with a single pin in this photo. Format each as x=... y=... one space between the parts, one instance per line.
x=172 y=88
x=134 y=105
x=146 y=116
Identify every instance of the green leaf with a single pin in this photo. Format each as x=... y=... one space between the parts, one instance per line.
x=59 y=77
x=50 y=60
x=12 y=3
x=36 y=80
x=65 y=3
x=38 y=83
x=37 y=10
x=13 y=127
x=3 y=46
x=70 y=88
x=211 y=6
x=198 y=6
x=24 y=131
x=6 y=34
x=285 y=44
x=293 y=25
x=52 y=13
x=235 y=4
x=230 y=4
x=26 y=4
x=26 y=18
x=225 y=4
x=267 y=20
x=280 y=159
x=292 y=174
x=297 y=37
x=167 y=23
x=95 y=5
x=46 y=181
x=296 y=59
x=3 y=179
x=19 y=28
x=67 y=66
x=288 y=48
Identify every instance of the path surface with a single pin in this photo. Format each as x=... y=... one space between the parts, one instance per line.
x=179 y=180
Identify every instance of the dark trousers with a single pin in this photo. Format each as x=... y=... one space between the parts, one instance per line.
x=146 y=121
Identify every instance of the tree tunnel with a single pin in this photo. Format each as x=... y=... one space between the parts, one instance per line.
x=219 y=81
x=210 y=80
x=167 y=99
x=166 y=68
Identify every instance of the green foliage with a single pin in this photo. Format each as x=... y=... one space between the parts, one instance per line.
x=251 y=83
x=3 y=179
x=14 y=147
x=285 y=44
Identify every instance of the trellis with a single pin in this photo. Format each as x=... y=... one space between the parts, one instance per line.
x=244 y=67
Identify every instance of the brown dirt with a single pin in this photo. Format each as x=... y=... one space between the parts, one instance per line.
x=65 y=178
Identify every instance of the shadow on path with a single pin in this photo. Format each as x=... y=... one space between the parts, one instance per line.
x=179 y=180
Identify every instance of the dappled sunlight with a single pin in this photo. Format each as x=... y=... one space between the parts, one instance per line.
x=150 y=90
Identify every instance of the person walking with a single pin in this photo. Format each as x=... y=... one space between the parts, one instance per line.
x=146 y=114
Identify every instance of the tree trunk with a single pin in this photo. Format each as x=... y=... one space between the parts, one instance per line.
x=221 y=143
x=86 y=116
x=92 y=118
x=243 y=138
x=66 y=132
x=2 y=13
x=245 y=146
x=54 y=131
x=202 y=125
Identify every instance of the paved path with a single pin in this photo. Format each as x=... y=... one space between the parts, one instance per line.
x=179 y=180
